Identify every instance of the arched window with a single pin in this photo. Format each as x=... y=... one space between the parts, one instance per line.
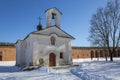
x=96 y=53
x=118 y=53
x=101 y=53
x=92 y=54
x=115 y=54
x=52 y=40
x=0 y=56
x=106 y=53
x=61 y=55
x=78 y=56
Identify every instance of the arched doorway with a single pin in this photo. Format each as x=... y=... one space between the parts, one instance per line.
x=52 y=59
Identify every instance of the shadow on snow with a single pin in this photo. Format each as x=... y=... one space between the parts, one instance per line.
x=9 y=69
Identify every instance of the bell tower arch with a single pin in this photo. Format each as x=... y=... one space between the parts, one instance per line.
x=53 y=17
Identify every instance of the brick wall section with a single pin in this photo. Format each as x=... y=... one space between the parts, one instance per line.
x=80 y=53
x=91 y=52
x=87 y=52
x=8 y=53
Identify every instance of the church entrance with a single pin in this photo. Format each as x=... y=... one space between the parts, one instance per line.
x=52 y=59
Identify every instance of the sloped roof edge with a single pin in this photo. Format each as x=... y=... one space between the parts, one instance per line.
x=54 y=8
x=57 y=28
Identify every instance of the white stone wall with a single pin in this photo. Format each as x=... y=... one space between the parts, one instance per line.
x=23 y=48
x=35 y=47
x=29 y=51
x=18 y=53
x=42 y=48
x=24 y=52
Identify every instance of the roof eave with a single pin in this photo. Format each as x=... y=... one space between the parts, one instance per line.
x=53 y=8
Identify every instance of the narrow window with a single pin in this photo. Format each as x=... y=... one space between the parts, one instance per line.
x=96 y=53
x=0 y=56
x=83 y=54
x=78 y=56
x=52 y=40
x=101 y=53
x=61 y=55
x=118 y=53
x=92 y=55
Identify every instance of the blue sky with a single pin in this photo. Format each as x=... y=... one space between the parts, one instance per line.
x=20 y=17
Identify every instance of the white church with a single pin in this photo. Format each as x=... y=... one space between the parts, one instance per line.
x=50 y=46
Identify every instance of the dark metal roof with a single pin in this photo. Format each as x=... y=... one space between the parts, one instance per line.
x=6 y=44
x=78 y=47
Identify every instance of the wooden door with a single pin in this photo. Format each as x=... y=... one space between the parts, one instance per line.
x=52 y=59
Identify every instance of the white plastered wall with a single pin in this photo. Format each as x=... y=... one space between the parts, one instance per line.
x=42 y=48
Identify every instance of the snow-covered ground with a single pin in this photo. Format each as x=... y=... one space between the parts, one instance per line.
x=39 y=74
x=92 y=70
x=7 y=63
x=10 y=72
x=97 y=69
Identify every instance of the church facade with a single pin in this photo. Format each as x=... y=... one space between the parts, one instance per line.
x=50 y=46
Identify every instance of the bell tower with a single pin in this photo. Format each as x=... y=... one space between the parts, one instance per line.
x=53 y=17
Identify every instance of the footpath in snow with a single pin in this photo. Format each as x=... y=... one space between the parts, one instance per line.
x=98 y=70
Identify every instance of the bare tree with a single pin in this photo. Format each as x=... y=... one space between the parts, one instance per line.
x=105 y=27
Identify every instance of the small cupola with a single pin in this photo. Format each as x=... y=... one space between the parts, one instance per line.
x=39 y=26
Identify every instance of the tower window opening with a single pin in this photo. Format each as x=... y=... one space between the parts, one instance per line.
x=53 y=18
x=53 y=15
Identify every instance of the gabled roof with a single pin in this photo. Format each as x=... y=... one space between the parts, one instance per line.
x=39 y=33
x=55 y=9
x=42 y=32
